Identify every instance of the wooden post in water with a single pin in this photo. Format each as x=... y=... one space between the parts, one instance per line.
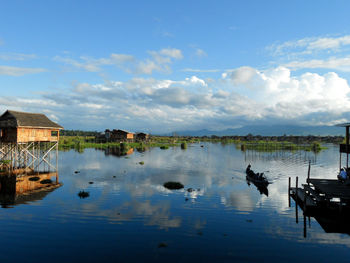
x=288 y=191
x=347 y=146
x=304 y=226
x=308 y=172
x=339 y=161
x=296 y=200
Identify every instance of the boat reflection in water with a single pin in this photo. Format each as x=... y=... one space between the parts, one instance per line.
x=17 y=188
x=262 y=188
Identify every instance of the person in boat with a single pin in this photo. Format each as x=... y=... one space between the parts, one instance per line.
x=248 y=169
x=260 y=176
x=342 y=175
x=250 y=172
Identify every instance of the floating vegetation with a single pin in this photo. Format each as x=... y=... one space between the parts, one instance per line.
x=173 y=185
x=164 y=147
x=272 y=146
x=83 y=194
x=162 y=245
x=35 y=178
x=248 y=142
x=142 y=162
x=46 y=181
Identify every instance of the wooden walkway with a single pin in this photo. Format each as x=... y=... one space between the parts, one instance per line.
x=331 y=188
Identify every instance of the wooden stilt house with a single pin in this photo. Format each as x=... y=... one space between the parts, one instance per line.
x=23 y=127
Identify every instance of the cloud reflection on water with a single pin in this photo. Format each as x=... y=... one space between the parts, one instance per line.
x=216 y=172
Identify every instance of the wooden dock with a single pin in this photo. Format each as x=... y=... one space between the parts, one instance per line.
x=331 y=188
x=302 y=197
x=320 y=196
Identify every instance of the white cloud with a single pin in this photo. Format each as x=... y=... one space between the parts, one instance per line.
x=169 y=52
x=17 y=56
x=309 y=45
x=200 y=53
x=200 y=70
x=95 y=65
x=341 y=64
x=160 y=61
x=289 y=97
x=18 y=71
x=196 y=80
x=245 y=96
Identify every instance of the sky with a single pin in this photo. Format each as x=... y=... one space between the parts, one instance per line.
x=163 y=66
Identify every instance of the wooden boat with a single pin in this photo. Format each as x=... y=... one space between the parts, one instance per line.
x=256 y=178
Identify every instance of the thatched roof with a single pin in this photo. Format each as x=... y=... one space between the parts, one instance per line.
x=14 y=119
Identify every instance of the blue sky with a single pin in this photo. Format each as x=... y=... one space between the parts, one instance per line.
x=162 y=66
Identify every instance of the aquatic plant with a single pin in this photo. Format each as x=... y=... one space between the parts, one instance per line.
x=142 y=162
x=184 y=145
x=173 y=185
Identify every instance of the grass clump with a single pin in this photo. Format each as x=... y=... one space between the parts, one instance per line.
x=164 y=147
x=83 y=194
x=184 y=145
x=173 y=185
x=142 y=162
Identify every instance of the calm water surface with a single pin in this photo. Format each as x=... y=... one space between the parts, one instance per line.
x=130 y=217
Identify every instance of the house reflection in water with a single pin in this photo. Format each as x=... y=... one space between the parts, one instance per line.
x=18 y=189
x=116 y=151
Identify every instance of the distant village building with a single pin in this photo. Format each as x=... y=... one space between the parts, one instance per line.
x=141 y=136
x=120 y=135
x=117 y=135
x=107 y=134
x=23 y=127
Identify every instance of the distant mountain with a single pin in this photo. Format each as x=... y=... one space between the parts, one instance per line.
x=275 y=130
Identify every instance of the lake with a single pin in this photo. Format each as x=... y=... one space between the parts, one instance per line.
x=129 y=216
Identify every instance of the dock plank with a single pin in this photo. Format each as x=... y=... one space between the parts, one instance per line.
x=332 y=188
x=300 y=195
x=314 y=193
